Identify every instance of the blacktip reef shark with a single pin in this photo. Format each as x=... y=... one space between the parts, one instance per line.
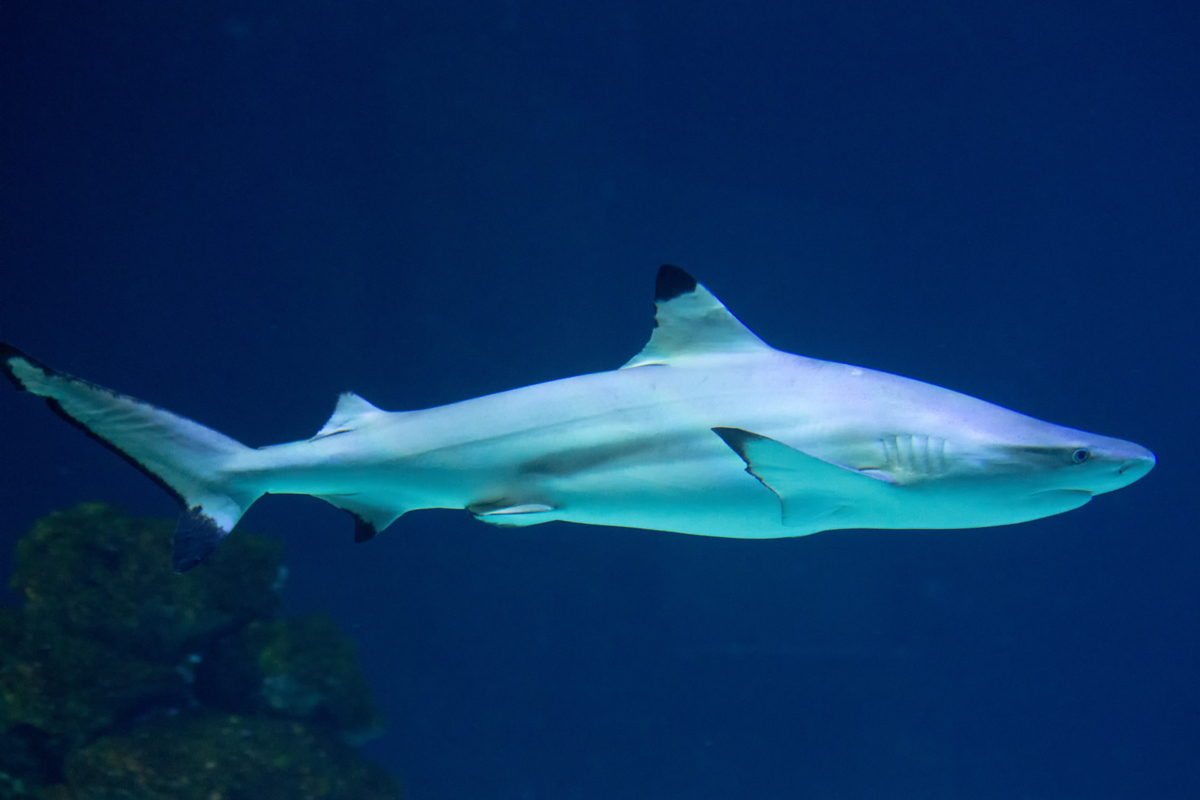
x=708 y=430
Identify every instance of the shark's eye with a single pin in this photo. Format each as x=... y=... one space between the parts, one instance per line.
x=1081 y=455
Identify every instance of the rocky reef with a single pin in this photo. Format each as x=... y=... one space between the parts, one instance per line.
x=121 y=679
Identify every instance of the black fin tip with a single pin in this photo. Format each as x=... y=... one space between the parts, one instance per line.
x=196 y=535
x=671 y=283
x=737 y=439
x=363 y=530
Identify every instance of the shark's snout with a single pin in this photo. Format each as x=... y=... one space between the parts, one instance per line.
x=1132 y=462
x=1138 y=465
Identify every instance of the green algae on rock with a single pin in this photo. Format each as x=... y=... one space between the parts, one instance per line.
x=67 y=687
x=206 y=755
x=303 y=667
x=96 y=572
x=122 y=679
x=22 y=771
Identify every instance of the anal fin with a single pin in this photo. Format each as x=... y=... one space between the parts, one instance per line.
x=369 y=518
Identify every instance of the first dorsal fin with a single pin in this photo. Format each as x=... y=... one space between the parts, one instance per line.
x=689 y=321
x=350 y=411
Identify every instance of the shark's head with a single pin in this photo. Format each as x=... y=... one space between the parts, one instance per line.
x=1093 y=464
x=1052 y=457
x=1046 y=469
x=992 y=466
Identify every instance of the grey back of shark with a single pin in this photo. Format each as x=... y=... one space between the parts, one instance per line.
x=708 y=430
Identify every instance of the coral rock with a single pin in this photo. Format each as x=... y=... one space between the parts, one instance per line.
x=211 y=756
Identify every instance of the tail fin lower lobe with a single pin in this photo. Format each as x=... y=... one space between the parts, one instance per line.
x=191 y=462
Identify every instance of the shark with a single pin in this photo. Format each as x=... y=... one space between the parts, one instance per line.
x=708 y=430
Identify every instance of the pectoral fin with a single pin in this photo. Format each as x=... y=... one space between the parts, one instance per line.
x=810 y=490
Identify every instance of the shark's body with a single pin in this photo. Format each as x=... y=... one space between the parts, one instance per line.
x=707 y=431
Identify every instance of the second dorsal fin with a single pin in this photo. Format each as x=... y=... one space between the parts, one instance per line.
x=350 y=411
x=689 y=321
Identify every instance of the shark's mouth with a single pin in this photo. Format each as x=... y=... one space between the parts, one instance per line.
x=1055 y=501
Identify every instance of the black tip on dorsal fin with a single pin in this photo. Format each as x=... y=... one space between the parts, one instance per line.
x=672 y=282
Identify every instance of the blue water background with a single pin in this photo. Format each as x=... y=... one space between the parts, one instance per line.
x=238 y=209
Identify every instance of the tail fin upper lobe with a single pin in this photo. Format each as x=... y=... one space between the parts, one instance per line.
x=191 y=462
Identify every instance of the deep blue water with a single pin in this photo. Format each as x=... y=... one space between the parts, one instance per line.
x=238 y=209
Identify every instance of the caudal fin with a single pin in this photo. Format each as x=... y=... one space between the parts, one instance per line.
x=191 y=462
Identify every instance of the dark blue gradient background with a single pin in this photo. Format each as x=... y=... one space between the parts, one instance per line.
x=238 y=209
